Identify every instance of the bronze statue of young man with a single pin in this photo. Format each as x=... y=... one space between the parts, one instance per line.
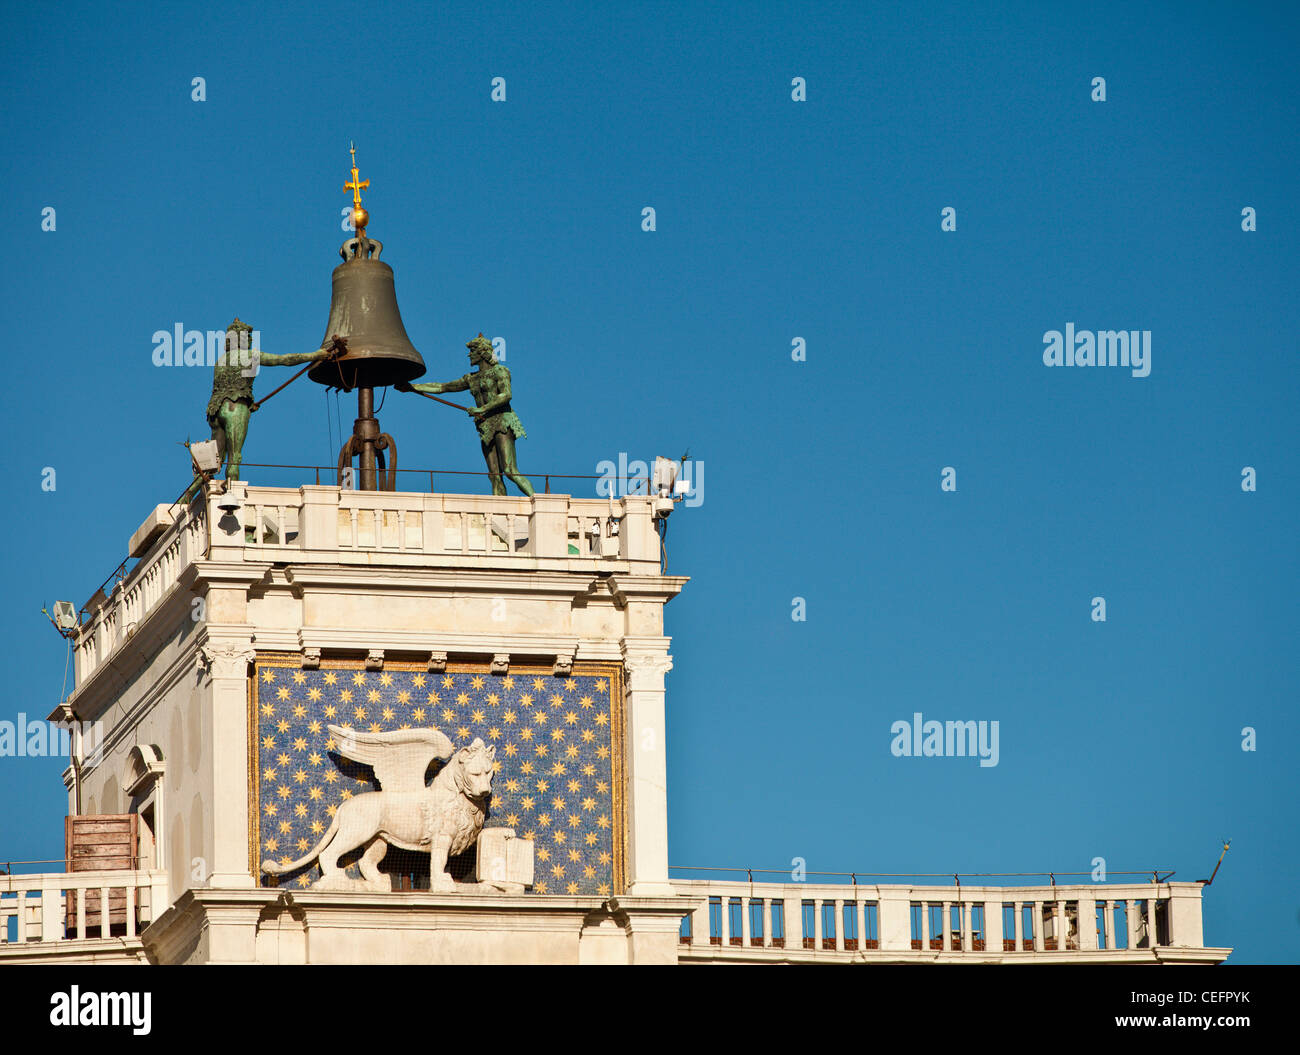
x=232 y=401
x=498 y=425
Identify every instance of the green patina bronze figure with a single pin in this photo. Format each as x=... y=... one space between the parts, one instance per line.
x=232 y=400
x=498 y=425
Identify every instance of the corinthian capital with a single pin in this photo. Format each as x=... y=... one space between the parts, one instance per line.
x=646 y=667
x=226 y=660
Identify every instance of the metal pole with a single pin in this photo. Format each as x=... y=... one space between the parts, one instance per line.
x=367 y=431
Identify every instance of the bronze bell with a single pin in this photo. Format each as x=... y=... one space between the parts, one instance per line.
x=363 y=310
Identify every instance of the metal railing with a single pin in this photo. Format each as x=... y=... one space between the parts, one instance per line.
x=1157 y=875
x=632 y=485
x=7 y=867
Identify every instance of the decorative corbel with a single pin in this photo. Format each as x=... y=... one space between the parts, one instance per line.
x=311 y=659
x=437 y=662
x=500 y=663
x=375 y=659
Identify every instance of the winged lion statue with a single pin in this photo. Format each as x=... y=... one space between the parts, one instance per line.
x=443 y=818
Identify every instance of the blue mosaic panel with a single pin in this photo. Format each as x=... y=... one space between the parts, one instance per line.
x=558 y=760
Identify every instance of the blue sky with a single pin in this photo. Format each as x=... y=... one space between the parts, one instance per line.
x=775 y=220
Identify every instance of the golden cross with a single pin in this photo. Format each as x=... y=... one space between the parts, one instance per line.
x=356 y=185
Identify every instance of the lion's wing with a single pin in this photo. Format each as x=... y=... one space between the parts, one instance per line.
x=399 y=758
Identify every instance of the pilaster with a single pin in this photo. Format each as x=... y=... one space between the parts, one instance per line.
x=225 y=659
x=646 y=661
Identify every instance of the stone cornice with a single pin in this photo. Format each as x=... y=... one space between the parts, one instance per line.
x=397 y=561
x=560 y=585
x=648 y=587
x=177 y=930
x=229 y=573
x=422 y=642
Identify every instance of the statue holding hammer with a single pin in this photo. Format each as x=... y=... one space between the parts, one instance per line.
x=498 y=425
x=232 y=402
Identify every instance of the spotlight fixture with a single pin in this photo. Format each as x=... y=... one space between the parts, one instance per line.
x=665 y=485
x=206 y=457
x=64 y=618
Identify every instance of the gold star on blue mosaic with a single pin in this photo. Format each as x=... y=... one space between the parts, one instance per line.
x=558 y=761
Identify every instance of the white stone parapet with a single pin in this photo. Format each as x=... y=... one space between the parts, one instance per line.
x=337 y=527
x=807 y=922
x=55 y=918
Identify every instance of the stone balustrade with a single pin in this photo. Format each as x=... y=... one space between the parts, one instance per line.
x=766 y=922
x=52 y=908
x=179 y=542
x=317 y=524
x=347 y=524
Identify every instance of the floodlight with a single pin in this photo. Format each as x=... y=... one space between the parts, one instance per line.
x=665 y=476
x=65 y=615
x=206 y=456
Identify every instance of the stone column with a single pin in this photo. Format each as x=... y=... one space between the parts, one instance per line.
x=226 y=727
x=646 y=661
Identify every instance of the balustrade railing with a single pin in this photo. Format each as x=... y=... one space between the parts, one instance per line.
x=804 y=920
x=63 y=906
x=338 y=525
